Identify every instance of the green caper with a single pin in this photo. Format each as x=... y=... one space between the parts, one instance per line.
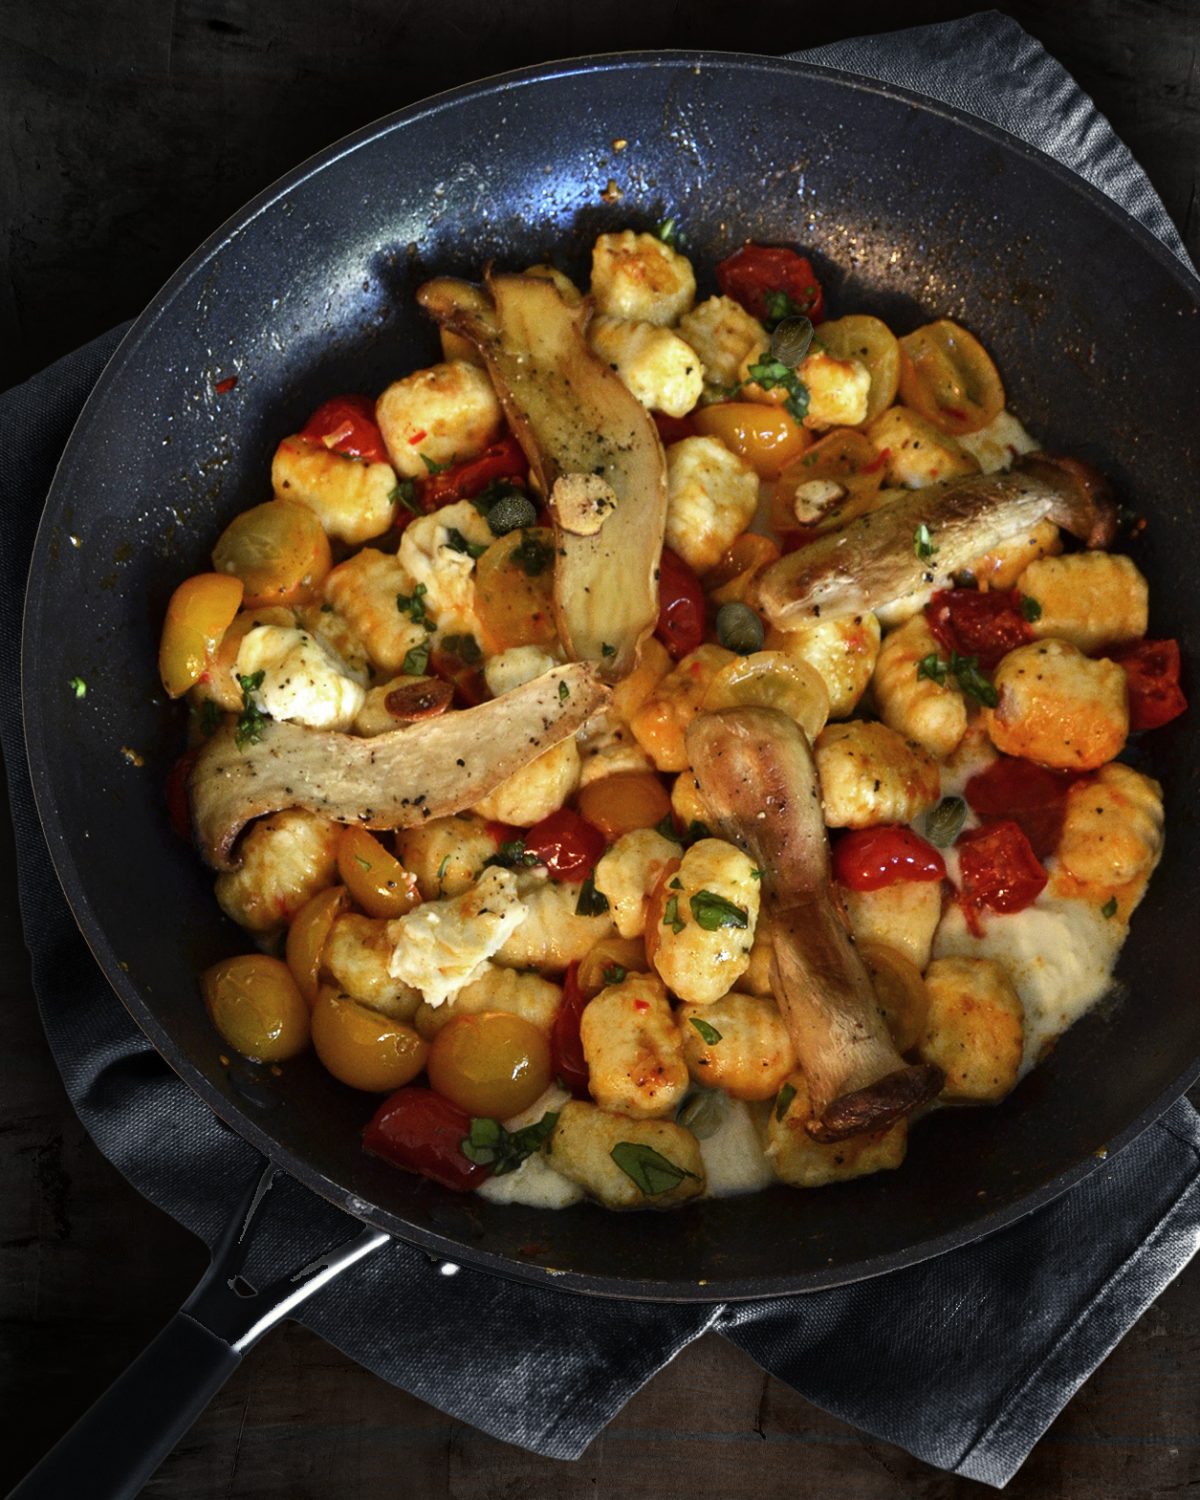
x=739 y=629
x=944 y=822
x=703 y=1112
x=513 y=511
x=790 y=341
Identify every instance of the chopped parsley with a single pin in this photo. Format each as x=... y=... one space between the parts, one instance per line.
x=1030 y=608
x=769 y=373
x=651 y=1173
x=458 y=543
x=713 y=912
x=591 y=903
x=251 y=720
x=1109 y=909
x=965 y=671
x=779 y=306
x=78 y=687
x=708 y=1034
x=784 y=1101
x=668 y=232
x=534 y=555
x=490 y=1145
x=923 y=543
x=564 y=692
x=405 y=494
x=671 y=917
x=416 y=660
x=613 y=973
x=413 y=605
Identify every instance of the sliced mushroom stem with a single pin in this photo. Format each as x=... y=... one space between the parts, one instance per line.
x=398 y=779
x=921 y=540
x=758 y=780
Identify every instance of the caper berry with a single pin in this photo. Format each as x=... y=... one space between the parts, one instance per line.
x=739 y=629
x=790 y=341
x=944 y=822
x=511 y=512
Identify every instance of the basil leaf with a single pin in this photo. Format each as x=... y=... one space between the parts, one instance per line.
x=490 y=1145
x=512 y=855
x=591 y=903
x=695 y=831
x=458 y=543
x=465 y=647
x=713 y=912
x=1030 y=608
x=651 y=1173
x=210 y=717
x=783 y=1101
x=432 y=467
x=79 y=687
x=416 y=661
x=668 y=232
x=613 y=973
x=1109 y=909
x=933 y=667
x=405 y=494
x=413 y=605
x=965 y=671
x=780 y=306
x=703 y=1112
x=708 y=1033
x=769 y=373
x=564 y=692
x=251 y=720
x=534 y=555
x=671 y=917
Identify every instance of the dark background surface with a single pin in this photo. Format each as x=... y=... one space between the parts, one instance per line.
x=127 y=133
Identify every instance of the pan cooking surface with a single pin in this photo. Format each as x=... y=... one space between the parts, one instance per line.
x=909 y=212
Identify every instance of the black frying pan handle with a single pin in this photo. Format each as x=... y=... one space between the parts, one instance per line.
x=118 y=1443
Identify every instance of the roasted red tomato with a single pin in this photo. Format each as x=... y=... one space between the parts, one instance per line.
x=673 y=429
x=347 y=425
x=566 y=844
x=1031 y=796
x=867 y=859
x=680 y=606
x=752 y=274
x=419 y=1131
x=999 y=870
x=503 y=460
x=566 y=1047
x=1152 y=671
x=976 y=623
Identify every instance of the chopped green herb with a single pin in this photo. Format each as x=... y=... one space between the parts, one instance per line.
x=432 y=467
x=779 y=306
x=405 y=494
x=1030 y=608
x=78 y=687
x=416 y=661
x=458 y=543
x=534 y=555
x=756 y=874
x=653 y=1174
x=708 y=1034
x=784 y=1100
x=210 y=718
x=564 y=692
x=695 y=831
x=668 y=232
x=591 y=903
x=965 y=671
x=513 y=855
x=251 y=719
x=703 y=1112
x=465 y=647
x=613 y=973
x=676 y=884
x=490 y=1145
x=441 y=870
x=769 y=373
x=944 y=823
x=923 y=543
x=1109 y=909
x=413 y=605
x=713 y=912
x=671 y=917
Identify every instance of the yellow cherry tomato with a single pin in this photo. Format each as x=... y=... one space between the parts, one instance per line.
x=619 y=804
x=514 y=591
x=279 y=551
x=307 y=935
x=491 y=1064
x=608 y=961
x=765 y=436
x=769 y=679
x=256 y=1005
x=947 y=376
x=900 y=993
x=806 y=497
x=873 y=344
x=729 y=582
x=364 y=1048
x=199 y=614
x=376 y=880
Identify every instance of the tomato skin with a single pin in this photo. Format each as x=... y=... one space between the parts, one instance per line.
x=1152 y=672
x=977 y=623
x=347 y=425
x=751 y=272
x=1028 y=795
x=680 y=606
x=868 y=859
x=673 y=429
x=999 y=870
x=179 y=809
x=419 y=1131
x=503 y=460
x=566 y=844
x=566 y=1046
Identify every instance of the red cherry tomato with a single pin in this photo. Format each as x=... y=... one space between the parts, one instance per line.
x=464 y=675
x=178 y=808
x=419 y=1131
x=673 y=429
x=566 y=1046
x=751 y=272
x=975 y=623
x=680 y=606
x=1152 y=671
x=347 y=425
x=999 y=870
x=867 y=859
x=566 y=844
x=1028 y=795
x=503 y=460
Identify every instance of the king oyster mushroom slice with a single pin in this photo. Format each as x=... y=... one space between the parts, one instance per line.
x=395 y=780
x=758 y=779
x=922 y=540
x=592 y=446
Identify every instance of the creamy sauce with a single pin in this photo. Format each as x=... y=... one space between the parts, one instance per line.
x=535 y=1183
x=733 y=1156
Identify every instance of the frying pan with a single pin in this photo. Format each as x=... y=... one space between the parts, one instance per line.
x=910 y=210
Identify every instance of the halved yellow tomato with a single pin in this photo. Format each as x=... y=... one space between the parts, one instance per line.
x=873 y=344
x=844 y=460
x=199 y=614
x=618 y=804
x=765 y=436
x=364 y=1048
x=307 y=935
x=257 y=1006
x=729 y=582
x=376 y=880
x=769 y=679
x=514 y=591
x=279 y=550
x=900 y=992
x=947 y=376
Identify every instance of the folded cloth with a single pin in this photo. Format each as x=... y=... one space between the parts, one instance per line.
x=971 y=1355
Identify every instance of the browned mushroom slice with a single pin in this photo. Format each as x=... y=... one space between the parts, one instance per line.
x=759 y=782
x=394 y=780
x=591 y=444
x=921 y=540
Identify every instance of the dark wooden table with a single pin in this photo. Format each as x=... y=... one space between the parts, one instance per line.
x=127 y=133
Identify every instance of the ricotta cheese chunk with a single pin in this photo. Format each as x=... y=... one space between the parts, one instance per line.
x=441 y=946
x=303 y=679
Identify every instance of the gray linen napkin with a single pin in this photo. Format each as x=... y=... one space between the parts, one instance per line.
x=971 y=1355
